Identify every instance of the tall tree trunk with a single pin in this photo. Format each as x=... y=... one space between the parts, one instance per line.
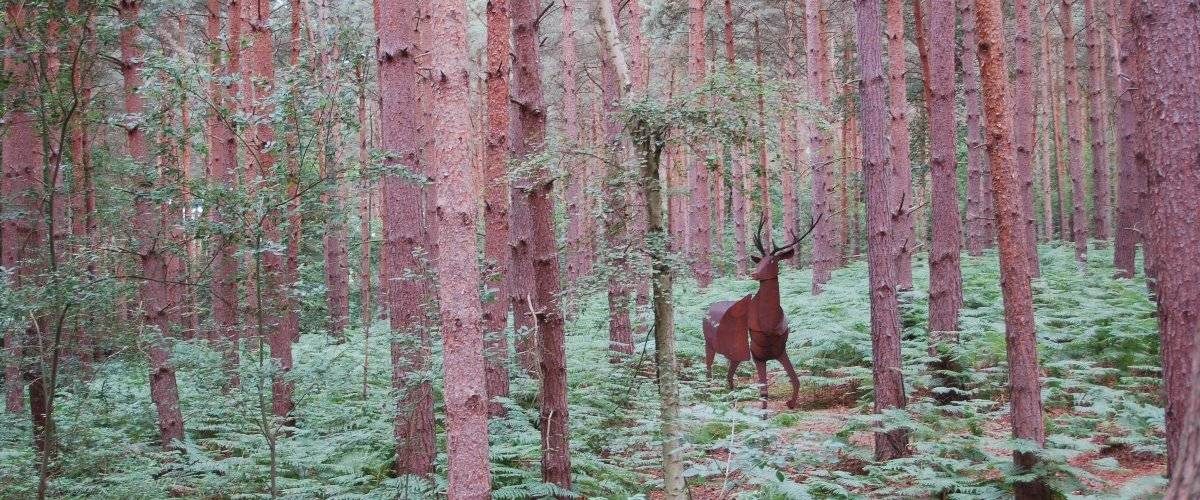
x=20 y=186
x=577 y=264
x=1020 y=334
x=945 y=272
x=222 y=171
x=495 y=203
x=885 y=313
x=1129 y=208
x=457 y=272
x=157 y=312
x=824 y=253
x=1098 y=110
x=83 y=193
x=700 y=215
x=290 y=323
x=1045 y=131
x=764 y=166
x=1168 y=71
x=790 y=130
x=529 y=138
x=1060 y=161
x=403 y=287
x=901 y=181
x=1023 y=121
x=329 y=125
x=259 y=84
x=1079 y=223
x=618 y=226
x=977 y=214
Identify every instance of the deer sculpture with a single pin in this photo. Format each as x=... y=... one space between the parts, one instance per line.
x=755 y=326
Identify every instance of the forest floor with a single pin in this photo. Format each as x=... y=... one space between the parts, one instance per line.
x=1097 y=341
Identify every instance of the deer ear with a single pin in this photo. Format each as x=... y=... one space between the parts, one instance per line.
x=786 y=255
x=754 y=259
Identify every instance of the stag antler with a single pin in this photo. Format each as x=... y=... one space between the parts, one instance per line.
x=758 y=236
x=795 y=240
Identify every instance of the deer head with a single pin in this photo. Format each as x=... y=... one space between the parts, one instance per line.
x=768 y=262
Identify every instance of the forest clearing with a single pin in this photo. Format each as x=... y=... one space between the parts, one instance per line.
x=601 y=249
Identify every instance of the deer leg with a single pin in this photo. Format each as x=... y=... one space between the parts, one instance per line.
x=709 y=354
x=761 y=366
x=733 y=366
x=791 y=373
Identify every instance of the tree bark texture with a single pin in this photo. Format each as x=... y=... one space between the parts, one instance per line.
x=1098 y=110
x=495 y=202
x=899 y=145
x=457 y=272
x=403 y=281
x=945 y=272
x=1079 y=222
x=824 y=253
x=1016 y=288
x=529 y=138
x=885 y=315
x=1169 y=102
x=1023 y=120
x=157 y=311
x=700 y=215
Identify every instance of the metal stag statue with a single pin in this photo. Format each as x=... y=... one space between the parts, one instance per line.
x=755 y=327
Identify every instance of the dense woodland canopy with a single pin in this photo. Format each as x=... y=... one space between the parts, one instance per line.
x=498 y=248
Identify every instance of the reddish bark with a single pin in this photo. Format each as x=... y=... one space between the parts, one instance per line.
x=1020 y=334
x=885 y=313
x=1079 y=223
x=529 y=136
x=20 y=187
x=764 y=165
x=495 y=202
x=700 y=214
x=977 y=216
x=945 y=273
x=921 y=30
x=457 y=272
x=402 y=283
x=290 y=324
x=578 y=264
x=1045 y=135
x=1168 y=71
x=1129 y=181
x=83 y=192
x=157 y=311
x=899 y=150
x=617 y=230
x=1060 y=162
x=1098 y=110
x=222 y=171
x=824 y=252
x=788 y=126
x=1023 y=121
x=334 y=244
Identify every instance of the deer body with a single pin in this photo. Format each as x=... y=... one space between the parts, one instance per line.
x=754 y=328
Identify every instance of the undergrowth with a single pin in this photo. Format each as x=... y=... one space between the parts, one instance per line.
x=1098 y=346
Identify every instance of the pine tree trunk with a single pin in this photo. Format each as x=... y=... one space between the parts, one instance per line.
x=700 y=213
x=156 y=309
x=222 y=171
x=457 y=272
x=899 y=145
x=495 y=203
x=1020 y=335
x=790 y=130
x=1023 y=121
x=1129 y=208
x=617 y=222
x=1079 y=222
x=290 y=324
x=885 y=315
x=945 y=272
x=824 y=253
x=20 y=187
x=764 y=166
x=401 y=282
x=1045 y=130
x=1060 y=161
x=1097 y=123
x=1168 y=76
x=529 y=136
x=977 y=214
x=577 y=264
